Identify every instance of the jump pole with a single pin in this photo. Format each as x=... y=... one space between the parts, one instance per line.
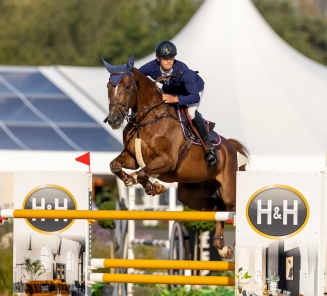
x=162 y=264
x=162 y=279
x=165 y=264
x=116 y=215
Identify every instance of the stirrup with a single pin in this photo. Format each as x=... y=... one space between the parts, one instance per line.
x=211 y=156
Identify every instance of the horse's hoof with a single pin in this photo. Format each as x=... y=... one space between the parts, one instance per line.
x=132 y=180
x=226 y=252
x=160 y=188
x=150 y=189
x=218 y=241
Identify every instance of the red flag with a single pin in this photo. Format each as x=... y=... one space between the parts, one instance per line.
x=85 y=158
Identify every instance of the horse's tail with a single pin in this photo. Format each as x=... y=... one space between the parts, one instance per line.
x=241 y=149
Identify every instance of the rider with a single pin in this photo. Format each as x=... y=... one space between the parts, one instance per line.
x=186 y=90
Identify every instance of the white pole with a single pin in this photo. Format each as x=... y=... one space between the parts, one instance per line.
x=172 y=207
x=131 y=235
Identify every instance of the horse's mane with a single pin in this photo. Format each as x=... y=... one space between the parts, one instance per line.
x=145 y=83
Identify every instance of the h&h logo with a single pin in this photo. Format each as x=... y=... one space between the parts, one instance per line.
x=277 y=211
x=49 y=197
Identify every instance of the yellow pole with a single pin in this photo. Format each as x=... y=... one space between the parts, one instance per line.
x=167 y=264
x=114 y=215
x=168 y=279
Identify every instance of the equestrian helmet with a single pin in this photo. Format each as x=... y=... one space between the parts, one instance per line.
x=166 y=49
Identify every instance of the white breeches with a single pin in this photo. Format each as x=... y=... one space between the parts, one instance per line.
x=193 y=107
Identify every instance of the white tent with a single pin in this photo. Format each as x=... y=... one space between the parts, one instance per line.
x=258 y=89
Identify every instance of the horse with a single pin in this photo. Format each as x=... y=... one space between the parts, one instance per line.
x=153 y=141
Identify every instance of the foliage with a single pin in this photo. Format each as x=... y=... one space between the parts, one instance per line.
x=241 y=279
x=106 y=200
x=108 y=193
x=96 y=289
x=272 y=277
x=6 y=274
x=6 y=227
x=205 y=291
x=108 y=205
x=6 y=262
x=80 y=32
x=198 y=225
x=303 y=30
x=147 y=252
x=33 y=269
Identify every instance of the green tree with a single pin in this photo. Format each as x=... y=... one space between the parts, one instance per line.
x=105 y=199
x=80 y=32
x=304 y=30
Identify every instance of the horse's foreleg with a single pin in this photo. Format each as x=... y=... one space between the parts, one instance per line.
x=124 y=160
x=149 y=188
x=160 y=165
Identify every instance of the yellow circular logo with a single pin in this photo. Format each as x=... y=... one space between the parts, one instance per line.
x=277 y=211
x=49 y=197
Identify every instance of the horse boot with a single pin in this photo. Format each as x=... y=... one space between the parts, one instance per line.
x=210 y=152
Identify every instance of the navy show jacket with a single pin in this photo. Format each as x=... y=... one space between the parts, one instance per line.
x=186 y=86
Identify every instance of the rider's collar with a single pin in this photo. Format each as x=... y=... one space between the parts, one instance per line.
x=164 y=73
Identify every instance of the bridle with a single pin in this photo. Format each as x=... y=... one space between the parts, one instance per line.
x=124 y=111
x=130 y=118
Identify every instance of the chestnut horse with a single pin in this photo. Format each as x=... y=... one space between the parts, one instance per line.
x=162 y=150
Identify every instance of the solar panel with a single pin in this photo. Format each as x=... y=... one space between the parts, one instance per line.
x=36 y=115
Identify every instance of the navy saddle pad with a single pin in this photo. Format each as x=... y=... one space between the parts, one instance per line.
x=213 y=136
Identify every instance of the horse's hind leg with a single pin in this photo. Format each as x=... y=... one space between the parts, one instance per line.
x=227 y=202
x=199 y=197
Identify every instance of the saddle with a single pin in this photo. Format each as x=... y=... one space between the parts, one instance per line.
x=189 y=131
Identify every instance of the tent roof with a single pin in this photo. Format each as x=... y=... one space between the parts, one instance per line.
x=46 y=122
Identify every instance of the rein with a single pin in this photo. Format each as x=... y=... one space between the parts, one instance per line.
x=130 y=118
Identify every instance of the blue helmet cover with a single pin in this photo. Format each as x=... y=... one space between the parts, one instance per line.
x=116 y=78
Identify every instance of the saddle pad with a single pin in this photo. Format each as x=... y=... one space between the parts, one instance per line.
x=187 y=131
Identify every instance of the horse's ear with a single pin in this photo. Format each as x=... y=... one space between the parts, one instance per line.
x=130 y=63
x=108 y=66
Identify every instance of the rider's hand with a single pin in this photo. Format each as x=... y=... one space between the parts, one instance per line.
x=169 y=99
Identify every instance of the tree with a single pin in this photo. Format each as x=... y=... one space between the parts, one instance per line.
x=106 y=200
x=80 y=32
x=304 y=30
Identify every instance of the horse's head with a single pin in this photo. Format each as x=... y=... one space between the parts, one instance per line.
x=121 y=87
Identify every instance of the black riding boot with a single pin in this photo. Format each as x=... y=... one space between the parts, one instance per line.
x=211 y=153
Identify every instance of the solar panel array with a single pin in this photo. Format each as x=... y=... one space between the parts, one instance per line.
x=37 y=115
